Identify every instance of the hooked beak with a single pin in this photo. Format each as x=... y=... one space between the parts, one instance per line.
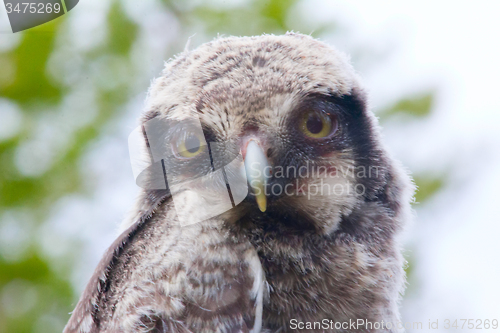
x=258 y=172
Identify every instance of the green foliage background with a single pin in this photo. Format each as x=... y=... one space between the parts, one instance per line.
x=36 y=294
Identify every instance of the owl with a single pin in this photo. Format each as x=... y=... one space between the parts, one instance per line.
x=268 y=201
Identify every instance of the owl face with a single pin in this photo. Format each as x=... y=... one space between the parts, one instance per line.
x=263 y=126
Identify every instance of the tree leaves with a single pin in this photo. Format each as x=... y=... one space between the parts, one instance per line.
x=418 y=106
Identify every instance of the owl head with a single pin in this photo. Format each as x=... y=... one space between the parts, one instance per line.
x=263 y=126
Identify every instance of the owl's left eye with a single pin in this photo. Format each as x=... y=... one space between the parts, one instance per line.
x=188 y=145
x=317 y=124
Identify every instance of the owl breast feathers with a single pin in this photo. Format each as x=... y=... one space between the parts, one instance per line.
x=270 y=203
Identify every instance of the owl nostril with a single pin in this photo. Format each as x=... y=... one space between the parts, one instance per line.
x=269 y=152
x=249 y=128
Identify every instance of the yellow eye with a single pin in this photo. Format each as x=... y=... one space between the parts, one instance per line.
x=189 y=145
x=317 y=125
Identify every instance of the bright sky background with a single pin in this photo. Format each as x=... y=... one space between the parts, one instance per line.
x=452 y=46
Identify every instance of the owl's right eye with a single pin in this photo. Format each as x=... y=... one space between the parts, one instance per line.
x=188 y=145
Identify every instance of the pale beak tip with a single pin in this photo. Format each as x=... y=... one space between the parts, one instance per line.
x=262 y=203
